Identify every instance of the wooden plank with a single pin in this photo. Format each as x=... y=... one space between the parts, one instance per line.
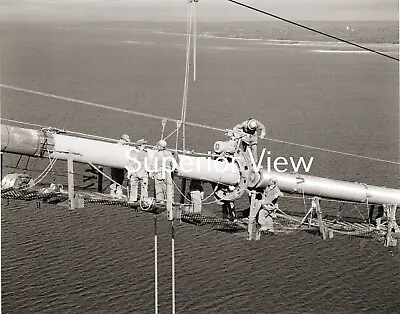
x=252 y=215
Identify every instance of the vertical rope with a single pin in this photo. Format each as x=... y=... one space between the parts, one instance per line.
x=187 y=69
x=181 y=123
x=163 y=123
x=178 y=125
x=367 y=200
x=155 y=267
x=194 y=41
x=26 y=166
x=302 y=191
x=48 y=155
x=16 y=166
x=173 y=264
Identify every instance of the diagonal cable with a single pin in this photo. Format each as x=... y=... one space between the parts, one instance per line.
x=312 y=29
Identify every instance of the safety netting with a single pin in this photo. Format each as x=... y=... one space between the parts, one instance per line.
x=284 y=223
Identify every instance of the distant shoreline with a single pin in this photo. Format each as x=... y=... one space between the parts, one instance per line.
x=366 y=32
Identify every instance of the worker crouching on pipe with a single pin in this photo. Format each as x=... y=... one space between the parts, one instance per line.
x=250 y=128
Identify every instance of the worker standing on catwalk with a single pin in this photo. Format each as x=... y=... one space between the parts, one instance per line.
x=196 y=195
x=267 y=212
x=138 y=175
x=164 y=163
x=117 y=174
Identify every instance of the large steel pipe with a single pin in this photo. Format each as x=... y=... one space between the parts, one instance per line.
x=28 y=142
x=19 y=140
x=34 y=143
x=116 y=155
x=329 y=188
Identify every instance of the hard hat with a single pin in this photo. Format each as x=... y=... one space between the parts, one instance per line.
x=162 y=143
x=125 y=137
x=141 y=141
x=269 y=207
x=252 y=124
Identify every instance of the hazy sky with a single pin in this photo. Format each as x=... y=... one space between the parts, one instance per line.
x=208 y=10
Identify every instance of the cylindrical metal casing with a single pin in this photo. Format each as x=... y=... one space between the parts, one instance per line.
x=19 y=140
x=117 y=156
x=207 y=169
x=225 y=147
x=87 y=150
x=29 y=142
x=329 y=188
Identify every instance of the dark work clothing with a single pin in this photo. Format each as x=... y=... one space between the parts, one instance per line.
x=118 y=175
x=195 y=185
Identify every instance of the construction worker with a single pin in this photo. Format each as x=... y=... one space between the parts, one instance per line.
x=117 y=174
x=266 y=217
x=196 y=195
x=228 y=210
x=164 y=164
x=272 y=192
x=137 y=174
x=228 y=206
x=380 y=213
x=250 y=128
x=269 y=205
x=395 y=231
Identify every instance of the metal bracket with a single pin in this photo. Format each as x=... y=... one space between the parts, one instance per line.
x=245 y=170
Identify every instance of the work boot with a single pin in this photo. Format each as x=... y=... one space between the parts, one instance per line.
x=113 y=188
x=267 y=229
x=232 y=215
x=119 y=193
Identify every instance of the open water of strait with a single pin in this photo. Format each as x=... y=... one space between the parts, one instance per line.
x=100 y=259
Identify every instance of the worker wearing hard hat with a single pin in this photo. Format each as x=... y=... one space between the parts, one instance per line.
x=266 y=217
x=228 y=210
x=138 y=175
x=269 y=201
x=196 y=195
x=163 y=167
x=228 y=205
x=118 y=175
x=250 y=128
x=124 y=139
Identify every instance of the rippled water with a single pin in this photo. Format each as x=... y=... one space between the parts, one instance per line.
x=100 y=259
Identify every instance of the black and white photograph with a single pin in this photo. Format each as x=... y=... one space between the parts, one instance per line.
x=200 y=156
